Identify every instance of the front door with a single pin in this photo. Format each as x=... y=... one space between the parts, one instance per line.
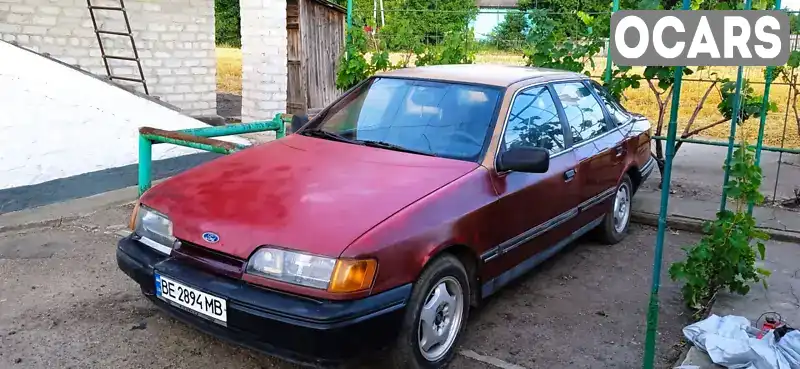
x=596 y=145
x=536 y=208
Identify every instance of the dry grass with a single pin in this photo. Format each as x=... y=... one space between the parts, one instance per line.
x=229 y=70
x=641 y=100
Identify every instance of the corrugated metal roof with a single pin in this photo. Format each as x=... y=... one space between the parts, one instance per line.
x=496 y=3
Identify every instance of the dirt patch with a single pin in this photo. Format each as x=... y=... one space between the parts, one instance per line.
x=585 y=308
x=229 y=106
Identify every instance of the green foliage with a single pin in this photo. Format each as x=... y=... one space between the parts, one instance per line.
x=569 y=16
x=750 y=105
x=551 y=48
x=424 y=21
x=457 y=48
x=620 y=81
x=353 y=65
x=511 y=33
x=227 y=23
x=725 y=257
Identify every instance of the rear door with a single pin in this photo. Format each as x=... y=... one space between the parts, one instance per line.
x=597 y=145
x=536 y=208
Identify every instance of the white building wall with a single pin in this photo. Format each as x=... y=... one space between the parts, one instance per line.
x=175 y=40
x=59 y=122
x=264 y=52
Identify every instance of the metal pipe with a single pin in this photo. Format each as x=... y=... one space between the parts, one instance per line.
x=349 y=14
x=194 y=145
x=235 y=129
x=763 y=121
x=783 y=139
x=652 y=308
x=737 y=107
x=607 y=78
x=145 y=161
x=725 y=144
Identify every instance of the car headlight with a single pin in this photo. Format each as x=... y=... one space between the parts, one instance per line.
x=153 y=229
x=334 y=275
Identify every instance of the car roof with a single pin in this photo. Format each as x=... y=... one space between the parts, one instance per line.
x=485 y=74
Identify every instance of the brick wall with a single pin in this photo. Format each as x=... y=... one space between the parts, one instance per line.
x=264 y=46
x=175 y=40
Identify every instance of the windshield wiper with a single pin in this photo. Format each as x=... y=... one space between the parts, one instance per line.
x=325 y=134
x=391 y=146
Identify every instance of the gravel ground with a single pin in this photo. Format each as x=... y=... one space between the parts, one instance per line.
x=64 y=304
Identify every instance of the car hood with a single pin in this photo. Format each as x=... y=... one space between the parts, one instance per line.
x=299 y=192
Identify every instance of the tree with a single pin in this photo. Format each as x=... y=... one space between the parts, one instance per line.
x=227 y=23
x=425 y=21
x=511 y=33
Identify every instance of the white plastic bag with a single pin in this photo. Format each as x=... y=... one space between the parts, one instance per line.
x=731 y=341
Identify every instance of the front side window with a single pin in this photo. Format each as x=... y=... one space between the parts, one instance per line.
x=618 y=115
x=584 y=114
x=534 y=122
x=434 y=118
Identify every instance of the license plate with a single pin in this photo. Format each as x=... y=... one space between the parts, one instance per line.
x=199 y=302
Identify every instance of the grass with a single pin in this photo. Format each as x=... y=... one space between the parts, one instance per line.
x=229 y=70
x=640 y=100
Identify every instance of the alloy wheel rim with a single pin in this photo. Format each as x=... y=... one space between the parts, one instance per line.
x=622 y=208
x=440 y=319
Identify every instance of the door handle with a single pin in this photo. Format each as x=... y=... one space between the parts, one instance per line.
x=620 y=150
x=569 y=175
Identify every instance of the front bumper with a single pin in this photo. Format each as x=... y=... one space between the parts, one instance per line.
x=302 y=330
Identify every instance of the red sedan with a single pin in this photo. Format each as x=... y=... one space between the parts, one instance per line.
x=392 y=213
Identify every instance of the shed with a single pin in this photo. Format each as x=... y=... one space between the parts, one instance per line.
x=315 y=37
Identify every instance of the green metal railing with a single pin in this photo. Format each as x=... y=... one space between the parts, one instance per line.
x=200 y=138
x=698 y=141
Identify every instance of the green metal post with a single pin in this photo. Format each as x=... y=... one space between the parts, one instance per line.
x=349 y=14
x=763 y=121
x=737 y=106
x=607 y=78
x=281 y=131
x=652 y=308
x=145 y=160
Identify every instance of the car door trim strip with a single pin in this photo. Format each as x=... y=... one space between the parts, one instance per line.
x=503 y=279
x=548 y=225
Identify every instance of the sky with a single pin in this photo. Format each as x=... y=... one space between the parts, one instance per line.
x=791 y=4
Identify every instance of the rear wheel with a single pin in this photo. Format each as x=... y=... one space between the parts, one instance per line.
x=435 y=317
x=615 y=223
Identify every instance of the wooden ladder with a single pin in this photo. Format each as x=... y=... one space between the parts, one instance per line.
x=128 y=33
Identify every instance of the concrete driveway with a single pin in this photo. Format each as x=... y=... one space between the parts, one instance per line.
x=64 y=304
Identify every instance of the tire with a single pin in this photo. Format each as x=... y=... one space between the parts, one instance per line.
x=615 y=224
x=445 y=272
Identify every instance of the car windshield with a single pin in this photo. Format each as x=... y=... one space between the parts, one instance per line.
x=442 y=119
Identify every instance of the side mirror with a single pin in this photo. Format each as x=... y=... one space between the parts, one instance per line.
x=524 y=159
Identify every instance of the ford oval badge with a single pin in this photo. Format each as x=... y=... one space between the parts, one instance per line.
x=211 y=237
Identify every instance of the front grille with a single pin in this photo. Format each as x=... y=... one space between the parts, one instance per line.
x=209 y=260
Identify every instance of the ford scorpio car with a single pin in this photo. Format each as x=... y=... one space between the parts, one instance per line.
x=391 y=214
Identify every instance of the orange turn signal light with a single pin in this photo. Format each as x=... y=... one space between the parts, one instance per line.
x=132 y=221
x=353 y=275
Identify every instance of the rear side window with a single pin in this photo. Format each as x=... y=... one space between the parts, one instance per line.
x=584 y=114
x=534 y=122
x=618 y=114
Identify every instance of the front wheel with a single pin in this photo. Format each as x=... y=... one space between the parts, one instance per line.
x=616 y=221
x=436 y=316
